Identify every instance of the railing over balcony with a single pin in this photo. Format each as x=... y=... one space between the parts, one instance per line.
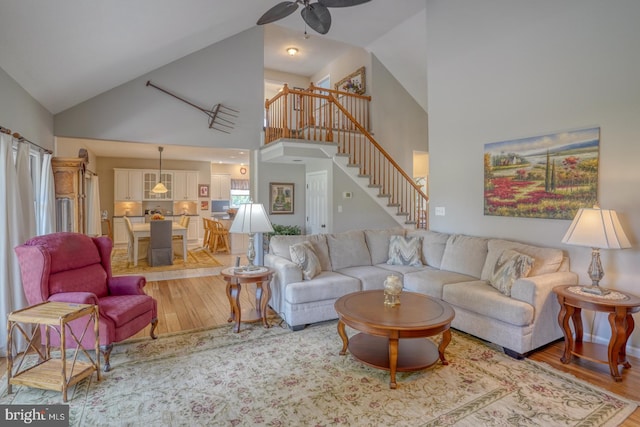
x=342 y=118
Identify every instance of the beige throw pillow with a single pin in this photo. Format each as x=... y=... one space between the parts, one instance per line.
x=511 y=266
x=304 y=256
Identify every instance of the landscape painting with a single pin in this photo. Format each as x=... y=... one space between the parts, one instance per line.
x=548 y=176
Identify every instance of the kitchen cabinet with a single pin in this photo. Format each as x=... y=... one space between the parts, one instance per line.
x=185 y=185
x=128 y=185
x=220 y=187
x=150 y=179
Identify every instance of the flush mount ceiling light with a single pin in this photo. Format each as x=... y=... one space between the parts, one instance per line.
x=316 y=15
x=292 y=51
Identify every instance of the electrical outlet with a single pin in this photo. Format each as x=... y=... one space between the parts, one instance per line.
x=440 y=210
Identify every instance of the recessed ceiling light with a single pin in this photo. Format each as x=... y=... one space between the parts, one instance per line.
x=292 y=51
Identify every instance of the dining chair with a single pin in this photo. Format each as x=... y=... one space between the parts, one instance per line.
x=177 y=239
x=208 y=227
x=160 y=250
x=143 y=242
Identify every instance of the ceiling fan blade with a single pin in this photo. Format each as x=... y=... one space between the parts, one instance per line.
x=279 y=11
x=341 y=3
x=317 y=17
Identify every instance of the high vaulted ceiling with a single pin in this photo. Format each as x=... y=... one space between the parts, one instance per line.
x=64 y=52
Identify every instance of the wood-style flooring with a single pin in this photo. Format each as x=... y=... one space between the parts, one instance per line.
x=201 y=302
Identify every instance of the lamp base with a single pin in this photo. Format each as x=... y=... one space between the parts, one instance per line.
x=595 y=290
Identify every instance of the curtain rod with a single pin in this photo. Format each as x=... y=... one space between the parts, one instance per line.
x=21 y=138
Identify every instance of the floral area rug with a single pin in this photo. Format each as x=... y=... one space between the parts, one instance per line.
x=196 y=258
x=274 y=377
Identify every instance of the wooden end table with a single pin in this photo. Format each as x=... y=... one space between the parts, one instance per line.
x=620 y=307
x=384 y=341
x=235 y=278
x=50 y=373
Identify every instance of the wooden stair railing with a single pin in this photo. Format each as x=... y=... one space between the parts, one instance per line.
x=315 y=116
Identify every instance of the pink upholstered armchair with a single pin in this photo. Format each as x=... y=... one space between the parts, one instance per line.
x=73 y=267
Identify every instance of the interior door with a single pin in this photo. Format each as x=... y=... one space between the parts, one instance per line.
x=316 y=203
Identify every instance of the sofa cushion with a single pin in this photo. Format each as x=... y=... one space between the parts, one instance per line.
x=430 y=281
x=370 y=277
x=511 y=266
x=348 y=249
x=482 y=298
x=405 y=251
x=546 y=260
x=399 y=270
x=433 y=244
x=378 y=243
x=279 y=245
x=327 y=285
x=304 y=256
x=465 y=255
x=122 y=309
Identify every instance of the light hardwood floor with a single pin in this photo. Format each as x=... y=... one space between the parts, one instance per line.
x=201 y=302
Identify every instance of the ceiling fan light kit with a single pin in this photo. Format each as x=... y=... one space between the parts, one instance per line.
x=316 y=15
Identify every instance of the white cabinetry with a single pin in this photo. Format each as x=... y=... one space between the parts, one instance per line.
x=128 y=185
x=220 y=187
x=150 y=179
x=185 y=185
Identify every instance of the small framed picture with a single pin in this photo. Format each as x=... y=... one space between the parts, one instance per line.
x=280 y=198
x=204 y=205
x=203 y=190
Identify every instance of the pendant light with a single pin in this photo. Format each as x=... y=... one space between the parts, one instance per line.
x=160 y=188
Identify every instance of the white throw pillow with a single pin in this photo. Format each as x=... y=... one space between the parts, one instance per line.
x=305 y=257
x=405 y=251
x=511 y=266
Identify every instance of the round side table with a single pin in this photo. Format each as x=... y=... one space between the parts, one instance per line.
x=235 y=278
x=620 y=307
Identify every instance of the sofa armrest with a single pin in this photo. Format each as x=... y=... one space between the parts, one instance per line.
x=126 y=285
x=286 y=271
x=535 y=290
x=75 y=297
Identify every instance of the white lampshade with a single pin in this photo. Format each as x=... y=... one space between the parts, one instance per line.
x=596 y=228
x=159 y=188
x=251 y=218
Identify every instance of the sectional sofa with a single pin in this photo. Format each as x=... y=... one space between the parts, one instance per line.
x=458 y=269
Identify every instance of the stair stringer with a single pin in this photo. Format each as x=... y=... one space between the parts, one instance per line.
x=353 y=171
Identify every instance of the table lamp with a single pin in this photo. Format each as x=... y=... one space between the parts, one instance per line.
x=598 y=229
x=251 y=218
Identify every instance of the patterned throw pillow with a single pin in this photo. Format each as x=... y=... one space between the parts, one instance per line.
x=511 y=266
x=304 y=256
x=405 y=251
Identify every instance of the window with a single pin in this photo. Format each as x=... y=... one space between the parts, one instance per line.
x=240 y=192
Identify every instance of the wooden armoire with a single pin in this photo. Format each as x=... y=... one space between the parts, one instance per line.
x=68 y=177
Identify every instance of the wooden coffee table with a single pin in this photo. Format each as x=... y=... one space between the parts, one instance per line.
x=394 y=338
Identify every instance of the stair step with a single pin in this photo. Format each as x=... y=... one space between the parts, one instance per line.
x=374 y=186
x=353 y=165
x=393 y=205
x=402 y=214
x=384 y=195
x=364 y=176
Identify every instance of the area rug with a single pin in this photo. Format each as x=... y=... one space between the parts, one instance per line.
x=196 y=258
x=274 y=377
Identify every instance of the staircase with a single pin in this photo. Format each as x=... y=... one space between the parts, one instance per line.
x=339 y=121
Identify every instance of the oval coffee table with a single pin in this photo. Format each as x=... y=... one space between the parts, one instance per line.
x=394 y=338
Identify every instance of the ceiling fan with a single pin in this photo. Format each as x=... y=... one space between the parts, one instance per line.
x=316 y=15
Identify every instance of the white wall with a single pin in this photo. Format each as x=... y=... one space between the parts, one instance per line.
x=501 y=69
x=23 y=114
x=229 y=72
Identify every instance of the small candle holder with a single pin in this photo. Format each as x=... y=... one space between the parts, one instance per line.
x=392 y=291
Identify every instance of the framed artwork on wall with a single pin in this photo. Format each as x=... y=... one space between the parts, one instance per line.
x=353 y=83
x=546 y=176
x=203 y=190
x=280 y=198
x=204 y=205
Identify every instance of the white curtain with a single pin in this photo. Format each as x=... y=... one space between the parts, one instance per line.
x=46 y=198
x=94 y=220
x=14 y=230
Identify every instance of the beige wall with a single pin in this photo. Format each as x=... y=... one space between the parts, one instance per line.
x=500 y=70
